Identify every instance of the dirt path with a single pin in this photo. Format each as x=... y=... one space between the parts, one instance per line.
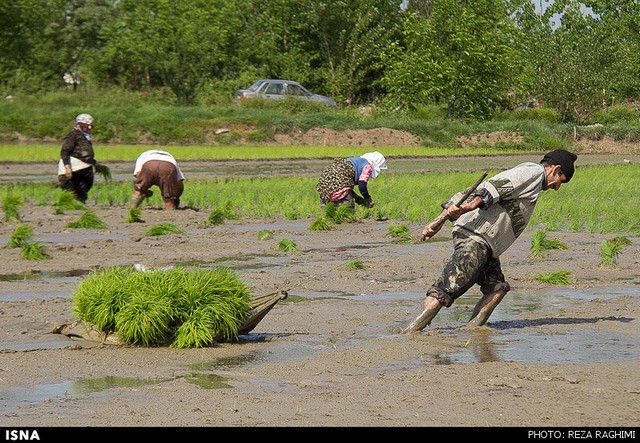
x=330 y=354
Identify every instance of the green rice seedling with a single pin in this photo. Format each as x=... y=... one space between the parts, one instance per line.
x=20 y=236
x=400 y=232
x=554 y=278
x=265 y=234
x=219 y=297
x=329 y=211
x=134 y=216
x=216 y=217
x=355 y=264
x=185 y=308
x=540 y=243
x=380 y=215
x=33 y=250
x=163 y=229
x=288 y=245
x=320 y=224
x=11 y=205
x=195 y=331
x=343 y=214
x=102 y=294
x=66 y=201
x=622 y=240
x=291 y=214
x=610 y=250
x=104 y=171
x=228 y=211
x=146 y=318
x=88 y=220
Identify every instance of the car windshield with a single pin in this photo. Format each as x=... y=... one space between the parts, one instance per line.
x=254 y=87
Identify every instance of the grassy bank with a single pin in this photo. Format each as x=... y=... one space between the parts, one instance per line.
x=125 y=119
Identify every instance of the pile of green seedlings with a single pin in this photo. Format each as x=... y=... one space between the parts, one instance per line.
x=184 y=308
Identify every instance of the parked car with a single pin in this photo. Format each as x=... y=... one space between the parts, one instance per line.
x=280 y=89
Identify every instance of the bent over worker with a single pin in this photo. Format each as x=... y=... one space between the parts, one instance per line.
x=337 y=182
x=157 y=167
x=485 y=226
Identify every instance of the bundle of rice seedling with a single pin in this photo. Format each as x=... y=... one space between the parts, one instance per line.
x=11 y=206
x=554 y=278
x=265 y=234
x=320 y=224
x=20 y=236
x=179 y=307
x=134 y=216
x=355 y=264
x=288 y=245
x=216 y=217
x=541 y=243
x=163 y=229
x=610 y=250
x=104 y=171
x=33 y=251
x=400 y=232
x=66 y=201
x=88 y=220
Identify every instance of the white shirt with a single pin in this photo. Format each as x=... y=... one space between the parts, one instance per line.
x=156 y=154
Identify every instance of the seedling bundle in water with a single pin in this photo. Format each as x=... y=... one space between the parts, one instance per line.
x=179 y=307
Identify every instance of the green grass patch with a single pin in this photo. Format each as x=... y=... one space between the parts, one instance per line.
x=179 y=307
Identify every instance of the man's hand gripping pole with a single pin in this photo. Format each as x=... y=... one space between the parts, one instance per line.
x=437 y=223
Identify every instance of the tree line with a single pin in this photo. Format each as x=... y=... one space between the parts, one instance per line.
x=472 y=57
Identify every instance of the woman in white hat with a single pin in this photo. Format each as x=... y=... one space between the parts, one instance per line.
x=337 y=183
x=76 y=165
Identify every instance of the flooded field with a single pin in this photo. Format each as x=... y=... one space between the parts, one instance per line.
x=331 y=353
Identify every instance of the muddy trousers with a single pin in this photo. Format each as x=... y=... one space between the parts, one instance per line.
x=471 y=263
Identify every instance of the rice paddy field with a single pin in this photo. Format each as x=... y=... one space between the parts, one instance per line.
x=562 y=349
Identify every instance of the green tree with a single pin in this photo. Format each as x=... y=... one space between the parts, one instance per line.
x=584 y=61
x=41 y=40
x=168 y=44
x=464 y=54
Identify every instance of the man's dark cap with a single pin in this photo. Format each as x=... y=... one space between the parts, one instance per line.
x=563 y=158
